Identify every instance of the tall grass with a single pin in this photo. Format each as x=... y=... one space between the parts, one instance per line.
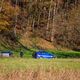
x=41 y=74
x=39 y=69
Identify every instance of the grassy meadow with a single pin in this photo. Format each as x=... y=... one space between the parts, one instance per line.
x=39 y=69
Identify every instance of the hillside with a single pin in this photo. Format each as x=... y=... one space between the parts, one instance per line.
x=45 y=24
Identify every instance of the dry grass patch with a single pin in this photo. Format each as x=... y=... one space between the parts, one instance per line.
x=41 y=74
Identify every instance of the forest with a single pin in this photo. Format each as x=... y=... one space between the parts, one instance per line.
x=54 y=22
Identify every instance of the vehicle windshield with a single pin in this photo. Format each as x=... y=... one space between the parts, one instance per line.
x=43 y=51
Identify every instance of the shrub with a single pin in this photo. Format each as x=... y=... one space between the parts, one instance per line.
x=66 y=54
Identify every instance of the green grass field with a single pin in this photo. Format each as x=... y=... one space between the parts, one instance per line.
x=59 y=54
x=65 y=67
x=39 y=69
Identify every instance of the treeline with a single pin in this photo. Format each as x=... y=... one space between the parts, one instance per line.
x=57 y=21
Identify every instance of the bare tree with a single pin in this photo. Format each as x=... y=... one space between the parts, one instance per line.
x=49 y=18
x=1 y=5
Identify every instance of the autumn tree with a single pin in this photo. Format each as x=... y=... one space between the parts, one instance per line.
x=7 y=14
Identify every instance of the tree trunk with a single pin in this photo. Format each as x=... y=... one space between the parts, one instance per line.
x=16 y=17
x=53 y=23
x=49 y=18
x=1 y=5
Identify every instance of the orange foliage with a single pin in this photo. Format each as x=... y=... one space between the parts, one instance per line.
x=8 y=12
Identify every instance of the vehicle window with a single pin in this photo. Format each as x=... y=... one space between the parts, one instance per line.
x=43 y=53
